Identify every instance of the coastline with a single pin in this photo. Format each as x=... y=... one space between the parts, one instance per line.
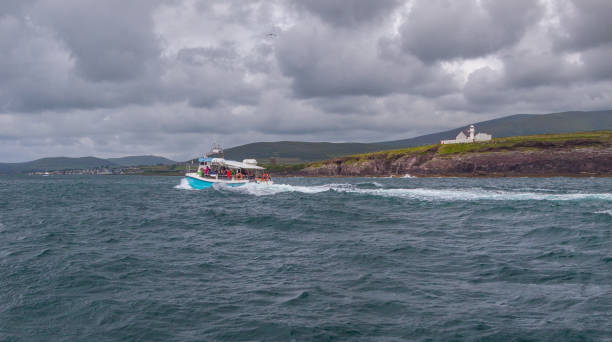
x=575 y=155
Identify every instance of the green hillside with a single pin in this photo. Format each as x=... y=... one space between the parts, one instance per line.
x=141 y=160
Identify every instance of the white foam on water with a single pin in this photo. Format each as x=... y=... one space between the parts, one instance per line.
x=605 y=212
x=183 y=185
x=408 y=176
x=426 y=194
x=273 y=189
x=478 y=194
x=376 y=184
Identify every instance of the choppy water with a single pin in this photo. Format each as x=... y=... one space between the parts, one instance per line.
x=142 y=258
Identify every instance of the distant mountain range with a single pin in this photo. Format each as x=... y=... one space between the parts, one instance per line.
x=521 y=124
x=65 y=163
x=141 y=160
x=297 y=152
x=514 y=125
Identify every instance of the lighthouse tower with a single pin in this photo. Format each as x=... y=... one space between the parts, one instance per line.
x=472 y=132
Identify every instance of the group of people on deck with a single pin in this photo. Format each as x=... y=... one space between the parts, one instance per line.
x=231 y=174
x=234 y=174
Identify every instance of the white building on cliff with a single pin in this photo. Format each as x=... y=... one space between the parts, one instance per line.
x=468 y=136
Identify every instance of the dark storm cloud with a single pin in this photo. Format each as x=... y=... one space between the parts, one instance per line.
x=348 y=13
x=442 y=29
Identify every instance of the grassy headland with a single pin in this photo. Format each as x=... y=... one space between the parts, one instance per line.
x=550 y=154
x=519 y=143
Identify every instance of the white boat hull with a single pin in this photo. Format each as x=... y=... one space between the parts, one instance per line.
x=197 y=182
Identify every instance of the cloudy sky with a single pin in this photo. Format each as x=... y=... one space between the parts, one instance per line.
x=116 y=77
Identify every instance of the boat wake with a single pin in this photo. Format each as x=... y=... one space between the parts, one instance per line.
x=273 y=189
x=183 y=185
x=427 y=194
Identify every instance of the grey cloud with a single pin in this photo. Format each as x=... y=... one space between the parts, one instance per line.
x=13 y=7
x=348 y=13
x=442 y=29
x=109 y=41
x=325 y=63
x=586 y=24
x=489 y=90
x=65 y=59
x=223 y=56
x=597 y=64
x=41 y=72
x=524 y=69
x=528 y=70
x=206 y=76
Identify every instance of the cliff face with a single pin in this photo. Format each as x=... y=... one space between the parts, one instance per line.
x=555 y=160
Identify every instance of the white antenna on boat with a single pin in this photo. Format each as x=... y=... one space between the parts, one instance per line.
x=216 y=148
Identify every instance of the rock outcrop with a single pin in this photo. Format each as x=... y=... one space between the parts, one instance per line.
x=536 y=159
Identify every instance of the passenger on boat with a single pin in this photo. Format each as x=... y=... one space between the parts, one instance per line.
x=229 y=174
x=207 y=170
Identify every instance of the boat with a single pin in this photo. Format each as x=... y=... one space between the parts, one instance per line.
x=218 y=170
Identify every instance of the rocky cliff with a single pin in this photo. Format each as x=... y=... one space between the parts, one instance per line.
x=555 y=155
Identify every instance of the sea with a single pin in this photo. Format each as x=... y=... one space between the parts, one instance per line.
x=137 y=258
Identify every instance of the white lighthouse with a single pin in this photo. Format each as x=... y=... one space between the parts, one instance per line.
x=468 y=136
